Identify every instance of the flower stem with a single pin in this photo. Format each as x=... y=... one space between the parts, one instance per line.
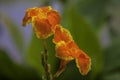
x=45 y=61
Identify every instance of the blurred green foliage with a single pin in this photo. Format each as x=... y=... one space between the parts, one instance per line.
x=84 y=19
x=112 y=61
x=9 y=70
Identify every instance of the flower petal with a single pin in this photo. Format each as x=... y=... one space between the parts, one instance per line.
x=73 y=49
x=31 y=12
x=42 y=27
x=63 y=52
x=83 y=63
x=43 y=20
x=54 y=18
x=61 y=34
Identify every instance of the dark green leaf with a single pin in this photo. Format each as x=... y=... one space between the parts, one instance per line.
x=9 y=70
x=112 y=57
x=33 y=55
x=71 y=73
x=114 y=76
x=51 y=55
x=94 y=11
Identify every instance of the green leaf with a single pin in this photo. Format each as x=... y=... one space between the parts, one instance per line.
x=93 y=10
x=112 y=61
x=33 y=54
x=114 y=76
x=85 y=37
x=10 y=70
x=112 y=57
x=51 y=55
x=71 y=73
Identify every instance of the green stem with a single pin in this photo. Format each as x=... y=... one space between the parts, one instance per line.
x=45 y=61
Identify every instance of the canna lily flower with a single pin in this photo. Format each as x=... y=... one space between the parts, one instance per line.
x=67 y=50
x=43 y=20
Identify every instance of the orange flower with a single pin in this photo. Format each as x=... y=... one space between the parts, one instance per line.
x=61 y=34
x=43 y=20
x=67 y=50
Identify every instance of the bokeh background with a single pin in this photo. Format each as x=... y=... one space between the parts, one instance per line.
x=94 y=25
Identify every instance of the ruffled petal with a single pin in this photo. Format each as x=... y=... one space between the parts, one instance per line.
x=41 y=27
x=54 y=18
x=73 y=49
x=83 y=63
x=63 y=52
x=61 y=34
x=31 y=12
